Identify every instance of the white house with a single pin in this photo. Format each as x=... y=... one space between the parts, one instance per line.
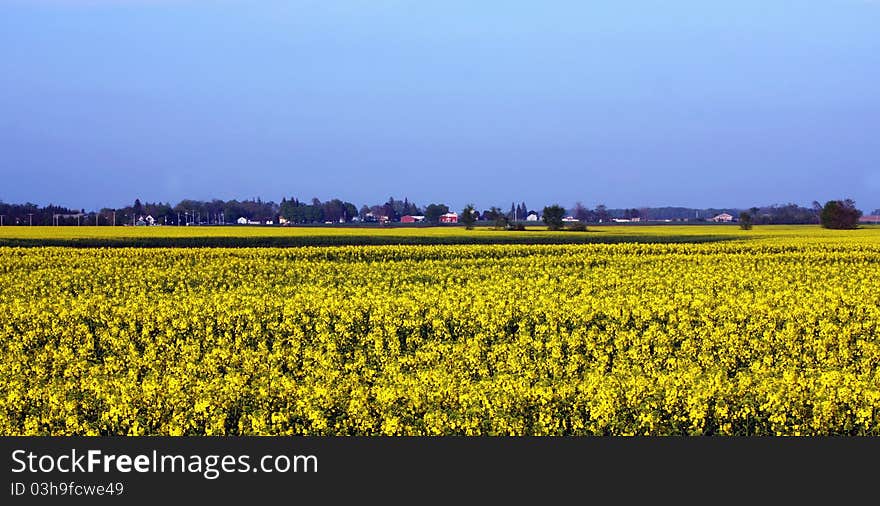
x=570 y=219
x=242 y=221
x=533 y=216
x=722 y=218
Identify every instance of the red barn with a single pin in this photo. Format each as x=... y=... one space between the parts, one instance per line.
x=449 y=218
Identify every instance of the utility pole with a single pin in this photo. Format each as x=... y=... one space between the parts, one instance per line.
x=30 y=219
x=1 y=219
x=114 y=218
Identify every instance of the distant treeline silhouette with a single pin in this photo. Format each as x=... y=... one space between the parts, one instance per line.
x=315 y=211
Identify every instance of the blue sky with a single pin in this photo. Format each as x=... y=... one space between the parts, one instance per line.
x=627 y=103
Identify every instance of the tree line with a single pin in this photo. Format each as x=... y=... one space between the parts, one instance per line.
x=837 y=213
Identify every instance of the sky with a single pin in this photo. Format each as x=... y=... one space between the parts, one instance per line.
x=625 y=103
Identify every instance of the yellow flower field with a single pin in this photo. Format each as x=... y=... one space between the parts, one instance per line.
x=775 y=331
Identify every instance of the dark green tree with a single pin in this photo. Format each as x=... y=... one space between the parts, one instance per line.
x=499 y=219
x=553 y=216
x=840 y=214
x=467 y=216
x=745 y=220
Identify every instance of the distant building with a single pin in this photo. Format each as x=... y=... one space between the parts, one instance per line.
x=570 y=219
x=242 y=221
x=722 y=218
x=533 y=216
x=449 y=218
x=411 y=219
x=150 y=220
x=871 y=218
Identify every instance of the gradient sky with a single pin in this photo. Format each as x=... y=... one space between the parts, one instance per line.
x=627 y=103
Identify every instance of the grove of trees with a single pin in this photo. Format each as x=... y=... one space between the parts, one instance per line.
x=840 y=214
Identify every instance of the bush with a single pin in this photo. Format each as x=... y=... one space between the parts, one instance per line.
x=578 y=227
x=840 y=214
x=519 y=227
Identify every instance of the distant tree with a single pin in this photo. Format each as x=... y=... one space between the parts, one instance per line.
x=553 y=216
x=392 y=209
x=755 y=215
x=410 y=208
x=876 y=212
x=334 y=211
x=840 y=214
x=581 y=213
x=434 y=211
x=350 y=211
x=497 y=217
x=467 y=216
x=138 y=208
x=602 y=214
x=745 y=220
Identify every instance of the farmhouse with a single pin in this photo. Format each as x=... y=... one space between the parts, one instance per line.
x=242 y=221
x=449 y=218
x=411 y=219
x=570 y=219
x=533 y=216
x=722 y=218
x=871 y=218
